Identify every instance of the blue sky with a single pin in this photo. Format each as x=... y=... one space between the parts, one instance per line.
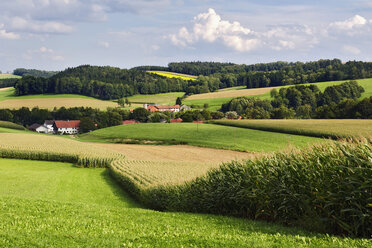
x=56 y=34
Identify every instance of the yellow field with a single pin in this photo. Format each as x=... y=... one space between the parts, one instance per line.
x=50 y=103
x=232 y=93
x=38 y=143
x=176 y=153
x=8 y=75
x=174 y=75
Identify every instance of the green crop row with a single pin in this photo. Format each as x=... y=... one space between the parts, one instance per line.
x=327 y=188
x=81 y=161
x=11 y=125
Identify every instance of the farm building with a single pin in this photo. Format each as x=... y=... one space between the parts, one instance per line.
x=49 y=125
x=175 y=120
x=184 y=107
x=38 y=128
x=66 y=127
x=162 y=108
x=127 y=122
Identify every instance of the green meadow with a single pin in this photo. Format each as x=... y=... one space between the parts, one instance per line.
x=204 y=135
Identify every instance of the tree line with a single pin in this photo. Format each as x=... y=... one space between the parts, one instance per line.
x=7 y=82
x=100 y=82
x=304 y=102
x=33 y=72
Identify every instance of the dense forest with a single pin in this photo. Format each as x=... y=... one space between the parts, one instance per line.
x=223 y=75
x=100 y=82
x=113 y=83
x=304 y=102
x=35 y=73
x=7 y=82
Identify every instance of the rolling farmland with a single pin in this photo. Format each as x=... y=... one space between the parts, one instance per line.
x=163 y=98
x=316 y=128
x=216 y=99
x=204 y=135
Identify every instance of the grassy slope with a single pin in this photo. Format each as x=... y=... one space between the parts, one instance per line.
x=7 y=75
x=215 y=103
x=315 y=128
x=206 y=135
x=47 y=204
x=163 y=98
x=50 y=100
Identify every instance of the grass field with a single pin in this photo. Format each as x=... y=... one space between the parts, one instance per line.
x=204 y=135
x=45 y=204
x=49 y=101
x=314 y=127
x=8 y=75
x=163 y=98
x=174 y=75
x=216 y=99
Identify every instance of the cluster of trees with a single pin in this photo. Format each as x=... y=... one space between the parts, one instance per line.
x=338 y=101
x=100 y=82
x=33 y=72
x=7 y=82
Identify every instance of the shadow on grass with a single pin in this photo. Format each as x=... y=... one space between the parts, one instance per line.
x=118 y=191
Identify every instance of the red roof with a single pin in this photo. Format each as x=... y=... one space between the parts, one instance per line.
x=130 y=122
x=65 y=124
x=176 y=120
x=152 y=108
x=167 y=106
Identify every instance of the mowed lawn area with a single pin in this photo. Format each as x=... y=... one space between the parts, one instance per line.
x=49 y=204
x=315 y=128
x=216 y=99
x=49 y=101
x=205 y=135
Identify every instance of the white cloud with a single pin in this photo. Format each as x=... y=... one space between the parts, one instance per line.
x=8 y=35
x=49 y=27
x=43 y=53
x=104 y=44
x=355 y=22
x=351 y=49
x=210 y=27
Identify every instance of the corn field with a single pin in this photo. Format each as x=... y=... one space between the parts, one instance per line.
x=327 y=188
x=50 y=148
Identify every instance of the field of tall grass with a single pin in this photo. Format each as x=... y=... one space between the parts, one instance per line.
x=330 y=128
x=8 y=75
x=326 y=189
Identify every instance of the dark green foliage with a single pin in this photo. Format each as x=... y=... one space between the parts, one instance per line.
x=100 y=82
x=243 y=105
x=327 y=188
x=86 y=125
x=32 y=72
x=6 y=115
x=7 y=82
x=140 y=114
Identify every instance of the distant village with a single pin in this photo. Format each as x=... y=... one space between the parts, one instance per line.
x=70 y=127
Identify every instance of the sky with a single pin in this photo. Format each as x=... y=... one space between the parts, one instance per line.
x=56 y=34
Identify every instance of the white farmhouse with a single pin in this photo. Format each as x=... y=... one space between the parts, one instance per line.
x=66 y=127
x=38 y=128
x=49 y=125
